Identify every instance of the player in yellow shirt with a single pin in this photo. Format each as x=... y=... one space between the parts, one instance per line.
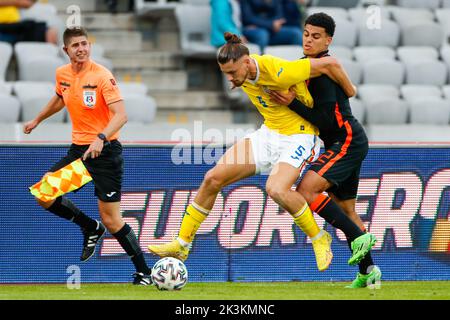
x=283 y=145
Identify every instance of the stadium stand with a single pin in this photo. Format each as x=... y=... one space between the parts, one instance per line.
x=166 y=68
x=9 y=108
x=5 y=56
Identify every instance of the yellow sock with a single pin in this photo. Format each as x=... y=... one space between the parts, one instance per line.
x=192 y=220
x=305 y=221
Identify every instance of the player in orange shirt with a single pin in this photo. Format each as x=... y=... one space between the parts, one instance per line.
x=96 y=108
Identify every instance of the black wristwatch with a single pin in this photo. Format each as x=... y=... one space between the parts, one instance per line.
x=102 y=137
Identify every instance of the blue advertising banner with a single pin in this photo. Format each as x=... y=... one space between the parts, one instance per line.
x=403 y=199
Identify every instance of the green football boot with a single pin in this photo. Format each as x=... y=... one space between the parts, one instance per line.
x=364 y=280
x=360 y=247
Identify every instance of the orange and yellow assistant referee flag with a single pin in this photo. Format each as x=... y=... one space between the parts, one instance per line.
x=67 y=179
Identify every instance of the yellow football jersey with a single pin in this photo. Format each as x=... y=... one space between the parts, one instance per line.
x=9 y=14
x=277 y=74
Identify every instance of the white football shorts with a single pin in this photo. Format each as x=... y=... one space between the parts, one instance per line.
x=270 y=147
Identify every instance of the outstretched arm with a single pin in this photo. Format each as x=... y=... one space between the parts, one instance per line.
x=55 y=104
x=333 y=69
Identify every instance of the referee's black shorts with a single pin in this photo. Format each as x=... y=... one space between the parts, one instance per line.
x=340 y=164
x=106 y=170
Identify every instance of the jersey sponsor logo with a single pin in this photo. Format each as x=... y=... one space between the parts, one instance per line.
x=262 y=102
x=89 y=98
x=88 y=86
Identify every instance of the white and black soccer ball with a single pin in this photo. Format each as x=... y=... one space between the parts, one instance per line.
x=169 y=274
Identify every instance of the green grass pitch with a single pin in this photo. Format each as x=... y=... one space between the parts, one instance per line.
x=390 y=290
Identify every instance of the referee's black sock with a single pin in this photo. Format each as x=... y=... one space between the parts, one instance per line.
x=333 y=214
x=127 y=239
x=64 y=208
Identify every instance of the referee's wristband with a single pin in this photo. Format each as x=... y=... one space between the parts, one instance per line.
x=102 y=137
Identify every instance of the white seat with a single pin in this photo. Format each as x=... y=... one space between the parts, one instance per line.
x=407 y=16
x=430 y=72
x=287 y=52
x=387 y=111
x=411 y=53
x=97 y=50
x=446 y=3
x=341 y=52
x=31 y=89
x=428 y=4
x=408 y=133
x=195 y=30
x=411 y=92
x=370 y=92
x=41 y=65
x=32 y=106
x=9 y=108
x=446 y=91
x=6 y=87
x=367 y=53
x=345 y=34
x=107 y=63
x=361 y=15
x=5 y=57
x=358 y=109
x=140 y=108
x=430 y=110
x=422 y=34
x=445 y=54
x=353 y=69
x=384 y=71
x=334 y=12
x=133 y=88
x=387 y=35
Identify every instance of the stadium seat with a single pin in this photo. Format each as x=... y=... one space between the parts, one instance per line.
x=407 y=16
x=445 y=54
x=429 y=72
x=30 y=89
x=353 y=69
x=40 y=66
x=358 y=109
x=383 y=71
x=9 y=108
x=446 y=3
x=387 y=35
x=5 y=57
x=133 y=88
x=361 y=15
x=97 y=50
x=408 y=133
x=411 y=53
x=195 y=30
x=341 y=52
x=33 y=105
x=333 y=3
x=371 y=92
x=411 y=92
x=443 y=17
x=430 y=110
x=422 y=34
x=140 y=108
x=5 y=87
x=366 y=53
x=386 y=111
x=446 y=91
x=335 y=12
x=287 y=52
x=346 y=33
x=428 y=4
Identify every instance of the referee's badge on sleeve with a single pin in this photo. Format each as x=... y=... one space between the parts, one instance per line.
x=89 y=98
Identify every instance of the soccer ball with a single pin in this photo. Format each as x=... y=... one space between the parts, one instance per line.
x=169 y=274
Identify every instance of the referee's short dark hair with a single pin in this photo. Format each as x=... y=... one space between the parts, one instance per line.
x=323 y=20
x=69 y=33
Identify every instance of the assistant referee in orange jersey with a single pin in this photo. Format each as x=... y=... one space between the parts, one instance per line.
x=96 y=108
